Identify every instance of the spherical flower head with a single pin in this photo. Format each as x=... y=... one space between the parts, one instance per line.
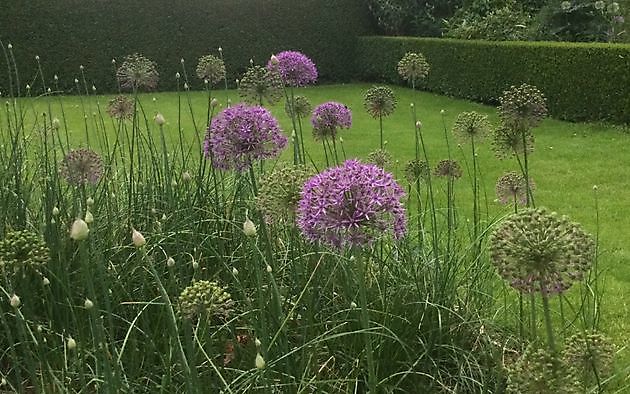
x=121 y=108
x=137 y=72
x=205 y=299
x=351 y=205
x=79 y=230
x=295 y=68
x=260 y=85
x=241 y=134
x=379 y=101
x=448 y=169
x=539 y=371
x=508 y=141
x=565 y=5
x=600 y=5
x=413 y=67
x=210 y=68
x=81 y=166
x=416 y=170
x=469 y=125
x=279 y=192
x=380 y=158
x=538 y=251
x=613 y=7
x=22 y=250
x=327 y=118
x=590 y=357
x=522 y=107
x=301 y=106
x=511 y=188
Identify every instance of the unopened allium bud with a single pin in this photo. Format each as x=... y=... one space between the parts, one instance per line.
x=170 y=262
x=37 y=57
x=418 y=125
x=10 y=46
x=89 y=201
x=220 y=49
x=214 y=102
x=274 y=60
x=113 y=61
x=48 y=90
x=81 y=67
x=159 y=119
x=45 y=281
x=163 y=217
x=249 y=228
x=88 y=304
x=28 y=87
x=195 y=264
x=55 y=211
x=260 y=361
x=181 y=60
x=353 y=305
x=205 y=81
x=258 y=343
x=251 y=62
x=595 y=187
x=234 y=271
x=56 y=78
x=186 y=177
x=89 y=218
x=177 y=75
x=173 y=183
x=341 y=140
x=186 y=85
x=79 y=230
x=442 y=112
x=137 y=238
x=76 y=80
x=269 y=269
x=15 y=301
x=71 y=344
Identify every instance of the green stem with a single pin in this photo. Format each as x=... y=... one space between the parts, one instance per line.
x=365 y=323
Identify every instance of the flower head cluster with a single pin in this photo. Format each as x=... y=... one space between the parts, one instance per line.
x=301 y=106
x=120 y=107
x=539 y=371
x=351 y=205
x=81 y=166
x=512 y=188
x=449 y=169
x=210 y=68
x=538 y=251
x=507 y=141
x=416 y=170
x=471 y=125
x=137 y=72
x=259 y=85
x=413 y=67
x=205 y=298
x=327 y=118
x=589 y=356
x=21 y=250
x=279 y=192
x=380 y=158
x=522 y=107
x=295 y=68
x=242 y=134
x=379 y=101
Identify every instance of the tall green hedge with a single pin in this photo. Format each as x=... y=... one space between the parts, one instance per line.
x=581 y=81
x=68 y=33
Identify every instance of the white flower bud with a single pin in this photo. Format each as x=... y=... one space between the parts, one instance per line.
x=71 y=344
x=181 y=60
x=88 y=304
x=173 y=183
x=76 y=80
x=93 y=88
x=220 y=49
x=10 y=46
x=269 y=269
x=418 y=125
x=159 y=119
x=260 y=361
x=15 y=301
x=163 y=217
x=37 y=57
x=258 y=343
x=353 y=305
x=195 y=265
x=55 y=211
x=214 y=102
x=28 y=87
x=56 y=77
x=45 y=281
x=113 y=61
x=249 y=228
x=205 y=81
x=89 y=201
x=177 y=75
x=81 y=67
x=595 y=187
x=274 y=60
x=79 y=230
x=234 y=271
x=186 y=85
x=55 y=123
x=137 y=238
x=170 y=262
x=89 y=218
x=186 y=177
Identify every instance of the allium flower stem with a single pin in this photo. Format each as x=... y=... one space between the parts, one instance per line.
x=548 y=323
x=530 y=196
x=227 y=97
x=380 y=123
x=365 y=321
x=475 y=180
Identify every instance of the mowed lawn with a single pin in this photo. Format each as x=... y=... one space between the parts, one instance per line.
x=568 y=161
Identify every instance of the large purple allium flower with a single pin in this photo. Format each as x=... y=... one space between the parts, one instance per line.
x=295 y=68
x=351 y=205
x=242 y=134
x=329 y=117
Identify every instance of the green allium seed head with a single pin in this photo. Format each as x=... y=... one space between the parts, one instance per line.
x=22 y=250
x=507 y=141
x=260 y=85
x=380 y=158
x=539 y=371
x=280 y=192
x=538 y=251
x=416 y=170
x=210 y=68
x=471 y=125
x=379 y=101
x=512 y=188
x=589 y=355
x=522 y=107
x=204 y=298
x=301 y=105
x=137 y=72
x=449 y=169
x=413 y=67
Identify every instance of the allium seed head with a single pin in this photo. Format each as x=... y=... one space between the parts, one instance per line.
x=511 y=188
x=380 y=158
x=471 y=125
x=22 y=250
x=590 y=357
x=137 y=72
x=416 y=170
x=301 y=106
x=279 y=192
x=295 y=68
x=120 y=107
x=81 y=166
x=522 y=107
x=413 y=67
x=507 y=141
x=204 y=298
x=539 y=371
x=260 y=85
x=448 y=169
x=379 y=101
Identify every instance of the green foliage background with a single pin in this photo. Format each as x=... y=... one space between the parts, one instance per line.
x=582 y=81
x=69 y=33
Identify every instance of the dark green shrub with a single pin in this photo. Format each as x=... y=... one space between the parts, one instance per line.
x=580 y=81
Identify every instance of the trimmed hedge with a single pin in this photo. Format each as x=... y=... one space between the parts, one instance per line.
x=69 y=33
x=581 y=81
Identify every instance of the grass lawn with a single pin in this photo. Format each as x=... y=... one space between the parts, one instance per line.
x=568 y=161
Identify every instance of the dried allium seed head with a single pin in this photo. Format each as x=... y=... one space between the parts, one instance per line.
x=279 y=192
x=449 y=169
x=210 y=68
x=470 y=125
x=379 y=101
x=416 y=170
x=539 y=371
x=507 y=141
x=380 y=158
x=121 y=107
x=511 y=188
x=137 y=72
x=590 y=357
x=522 y=107
x=260 y=85
x=81 y=166
x=413 y=67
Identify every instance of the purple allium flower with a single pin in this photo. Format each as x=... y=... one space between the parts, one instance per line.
x=351 y=205
x=241 y=134
x=329 y=117
x=295 y=68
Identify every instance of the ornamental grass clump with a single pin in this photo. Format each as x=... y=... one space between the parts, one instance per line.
x=22 y=250
x=240 y=135
x=210 y=68
x=81 y=166
x=205 y=299
x=511 y=188
x=260 y=85
x=279 y=192
x=536 y=251
x=413 y=67
x=121 y=108
x=137 y=72
x=351 y=205
x=295 y=68
x=328 y=118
